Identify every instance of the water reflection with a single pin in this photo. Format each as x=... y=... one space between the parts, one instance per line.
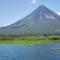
x=29 y=52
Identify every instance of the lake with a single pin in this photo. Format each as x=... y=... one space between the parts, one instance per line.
x=29 y=52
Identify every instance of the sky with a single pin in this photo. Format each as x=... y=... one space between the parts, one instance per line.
x=14 y=10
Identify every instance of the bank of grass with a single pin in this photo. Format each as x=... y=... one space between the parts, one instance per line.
x=42 y=39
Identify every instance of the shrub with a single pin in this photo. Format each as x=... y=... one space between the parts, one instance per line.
x=54 y=38
x=6 y=38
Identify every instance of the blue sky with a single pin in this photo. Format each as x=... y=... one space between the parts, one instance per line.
x=13 y=10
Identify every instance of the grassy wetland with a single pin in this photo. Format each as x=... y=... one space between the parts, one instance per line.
x=42 y=39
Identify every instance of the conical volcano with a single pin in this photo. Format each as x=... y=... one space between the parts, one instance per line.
x=40 y=21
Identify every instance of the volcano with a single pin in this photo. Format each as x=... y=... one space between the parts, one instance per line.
x=40 y=21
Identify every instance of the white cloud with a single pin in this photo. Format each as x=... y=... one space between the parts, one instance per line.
x=47 y=16
x=50 y=17
x=58 y=13
x=6 y=25
x=34 y=1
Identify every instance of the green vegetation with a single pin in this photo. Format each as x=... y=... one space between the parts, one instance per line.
x=43 y=39
x=55 y=49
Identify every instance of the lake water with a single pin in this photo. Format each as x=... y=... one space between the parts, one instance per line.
x=29 y=52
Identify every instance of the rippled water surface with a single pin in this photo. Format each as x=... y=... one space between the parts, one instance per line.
x=29 y=52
